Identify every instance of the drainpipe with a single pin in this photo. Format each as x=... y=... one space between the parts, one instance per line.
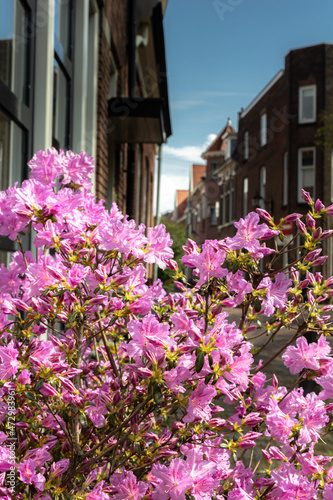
x=157 y=217
x=131 y=90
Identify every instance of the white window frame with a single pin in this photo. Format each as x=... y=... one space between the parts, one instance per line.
x=231 y=196
x=263 y=180
x=263 y=130
x=223 y=198
x=301 y=119
x=245 y=196
x=285 y=180
x=246 y=145
x=301 y=169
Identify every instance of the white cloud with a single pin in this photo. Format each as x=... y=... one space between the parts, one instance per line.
x=169 y=184
x=191 y=154
x=186 y=104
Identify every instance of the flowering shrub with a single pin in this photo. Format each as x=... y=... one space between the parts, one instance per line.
x=113 y=389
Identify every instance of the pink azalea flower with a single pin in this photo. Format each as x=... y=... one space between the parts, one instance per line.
x=96 y=414
x=172 y=481
x=249 y=232
x=77 y=168
x=279 y=424
x=46 y=167
x=10 y=363
x=97 y=493
x=304 y=356
x=276 y=295
x=58 y=468
x=292 y=484
x=203 y=474
x=27 y=474
x=208 y=262
x=127 y=487
x=159 y=249
x=148 y=335
x=198 y=404
x=24 y=377
x=7 y=459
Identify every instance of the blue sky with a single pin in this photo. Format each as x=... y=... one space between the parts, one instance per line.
x=220 y=54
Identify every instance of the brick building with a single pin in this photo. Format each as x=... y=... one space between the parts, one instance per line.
x=85 y=75
x=212 y=201
x=277 y=153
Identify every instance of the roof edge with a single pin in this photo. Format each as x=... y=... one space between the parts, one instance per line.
x=262 y=93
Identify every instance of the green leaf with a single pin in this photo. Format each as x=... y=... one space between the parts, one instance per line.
x=208 y=378
x=257 y=305
x=60 y=292
x=38 y=384
x=211 y=361
x=30 y=396
x=72 y=317
x=199 y=361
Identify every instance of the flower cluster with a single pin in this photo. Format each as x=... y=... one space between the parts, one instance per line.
x=125 y=392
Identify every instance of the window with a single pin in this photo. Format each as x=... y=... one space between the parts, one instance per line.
x=214 y=212
x=246 y=145
x=285 y=179
x=61 y=107
x=306 y=172
x=231 y=198
x=223 y=198
x=262 y=187
x=230 y=147
x=15 y=48
x=63 y=27
x=263 y=130
x=307 y=104
x=245 y=195
x=17 y=37
x=62 y=75
x=213 y=170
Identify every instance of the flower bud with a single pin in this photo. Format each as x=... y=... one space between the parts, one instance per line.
x=329 y=210
x=252 y=419
x=319 y=206
x=292 y=217
x=320 y=261
x=301 y=226
x=310 y=222
x=263 y=214
x=172 y=264
x=306 y=197
x=313 y=255
x=277 y=454
x=317 y=234
x=275 y=382
x=326 y=234
x=48 y=390
x=180 y=286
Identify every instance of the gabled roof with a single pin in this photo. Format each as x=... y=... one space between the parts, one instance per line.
x=197 y=171
x=218 y=146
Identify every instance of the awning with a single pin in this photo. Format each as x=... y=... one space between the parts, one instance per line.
x=138 y=120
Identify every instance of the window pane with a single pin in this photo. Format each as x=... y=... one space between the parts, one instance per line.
x=6 y=40
x=15 y=48
x=307 y=105
x=61 y=94
x=308 y=178
x=12 y=152
x=307 y=158
x=62 y=24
